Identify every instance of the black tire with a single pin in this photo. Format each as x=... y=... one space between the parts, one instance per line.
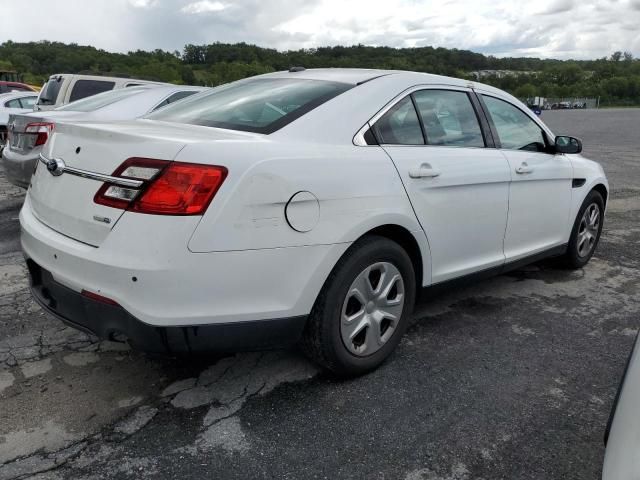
x=322 y=338
x=572 y=258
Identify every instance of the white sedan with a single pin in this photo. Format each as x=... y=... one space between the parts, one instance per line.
x=14 y=102
x=29 y=131
x=304 y=206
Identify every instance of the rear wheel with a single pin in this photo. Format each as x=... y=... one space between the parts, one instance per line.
x=363 y=308
x=586 y=231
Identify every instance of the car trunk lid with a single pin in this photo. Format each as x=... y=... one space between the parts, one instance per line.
x=65 y=202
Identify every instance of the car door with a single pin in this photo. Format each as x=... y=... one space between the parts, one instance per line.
x=540 y=193
x=457 y=185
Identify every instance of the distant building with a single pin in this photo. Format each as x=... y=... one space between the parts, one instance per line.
x=480 y=74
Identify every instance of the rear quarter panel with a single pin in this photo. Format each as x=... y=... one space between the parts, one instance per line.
x=357 y=189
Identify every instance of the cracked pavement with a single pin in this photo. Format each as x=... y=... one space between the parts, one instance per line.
x=509 y=378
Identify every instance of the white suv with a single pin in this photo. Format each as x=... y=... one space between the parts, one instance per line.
x=64 y=88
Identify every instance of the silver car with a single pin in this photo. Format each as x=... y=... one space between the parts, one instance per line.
x=29 y=132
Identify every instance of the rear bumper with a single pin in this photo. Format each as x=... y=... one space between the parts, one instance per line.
x=18 y=168
x=110 y=322
x=145 y=267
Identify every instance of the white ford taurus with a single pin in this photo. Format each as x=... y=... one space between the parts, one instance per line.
x=304 y=206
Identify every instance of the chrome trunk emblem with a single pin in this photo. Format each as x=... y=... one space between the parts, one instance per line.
x=56 y=167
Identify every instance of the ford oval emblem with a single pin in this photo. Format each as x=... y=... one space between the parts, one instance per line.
x=55 y=167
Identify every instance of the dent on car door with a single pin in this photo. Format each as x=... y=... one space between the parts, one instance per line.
x=457 y=186
x=540 y=192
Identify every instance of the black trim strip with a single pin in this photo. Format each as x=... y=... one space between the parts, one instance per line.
x=489 y=140
x=578 y=182
x=492 y=126
x=492 y=272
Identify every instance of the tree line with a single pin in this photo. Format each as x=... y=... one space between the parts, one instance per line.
x=616 y=79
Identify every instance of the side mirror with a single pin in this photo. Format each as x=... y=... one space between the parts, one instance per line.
x=566 y=144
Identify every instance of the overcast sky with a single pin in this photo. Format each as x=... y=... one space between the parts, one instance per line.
x=541 y=28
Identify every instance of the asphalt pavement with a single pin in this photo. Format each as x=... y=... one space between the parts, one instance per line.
x=509 y=378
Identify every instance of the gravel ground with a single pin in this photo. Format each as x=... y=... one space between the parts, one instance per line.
x=511 y=378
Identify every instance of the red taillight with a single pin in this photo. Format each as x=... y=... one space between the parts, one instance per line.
x=41 y=130
x=99 y=298
x=168 y=188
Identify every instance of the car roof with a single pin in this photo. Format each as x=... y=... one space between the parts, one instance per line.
x=352 y=76
x=357 y=76
x=13 y=95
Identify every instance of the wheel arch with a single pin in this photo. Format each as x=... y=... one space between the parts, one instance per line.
x=602 y=190
x=408 y=242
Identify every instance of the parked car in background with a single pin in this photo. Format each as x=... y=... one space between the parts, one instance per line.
x=8 y=87
x=622 y=437
x=64 y=88
x=30 y=131
x=308 y=205
x=12 y=103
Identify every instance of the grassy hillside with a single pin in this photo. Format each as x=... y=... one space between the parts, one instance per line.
x=615 y=79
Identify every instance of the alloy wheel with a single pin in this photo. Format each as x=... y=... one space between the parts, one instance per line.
x=588 y=230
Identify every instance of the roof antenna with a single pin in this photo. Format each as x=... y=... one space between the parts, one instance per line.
x=296 y=69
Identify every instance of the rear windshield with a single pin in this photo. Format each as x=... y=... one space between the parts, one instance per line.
x=50 y=90
x=103 y=99
x=261 y=105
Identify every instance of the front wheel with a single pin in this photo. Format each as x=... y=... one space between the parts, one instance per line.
x=586 y=231
x=363 y=308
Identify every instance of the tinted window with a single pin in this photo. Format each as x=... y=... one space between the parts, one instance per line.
x=174 y=98
x=400 y=125
x=515 y=129
x=86 y=88
x=103 y=99
x=448 y=118
x=13 y=103
x=28 y=102
x=49 y=92
x=254 y=105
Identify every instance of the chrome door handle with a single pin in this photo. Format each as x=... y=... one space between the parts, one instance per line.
x=423 y=171
x=524 y=168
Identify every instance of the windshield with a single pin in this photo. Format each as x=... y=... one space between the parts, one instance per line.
x=50 y=90
x=261 y=105
x=103 y=99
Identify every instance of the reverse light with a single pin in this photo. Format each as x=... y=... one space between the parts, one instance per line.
x=168 y=188
x=41 y=131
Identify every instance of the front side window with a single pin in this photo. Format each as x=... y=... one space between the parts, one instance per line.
x=86 y=88
x=399 y=125
x=515 y=129
x=261 y=105
x=448 y=118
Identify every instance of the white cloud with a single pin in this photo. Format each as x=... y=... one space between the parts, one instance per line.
x=546 y=28
x=143 y=3
x=203 y=6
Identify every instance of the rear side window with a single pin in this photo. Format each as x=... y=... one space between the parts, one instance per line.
x=516 y=130
x=28 y=102
x=13 y=103
x=174 y=98
x=49 y=93
x=400 y=125
x=253 y=105
x=86 y=88
x=448 y=118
